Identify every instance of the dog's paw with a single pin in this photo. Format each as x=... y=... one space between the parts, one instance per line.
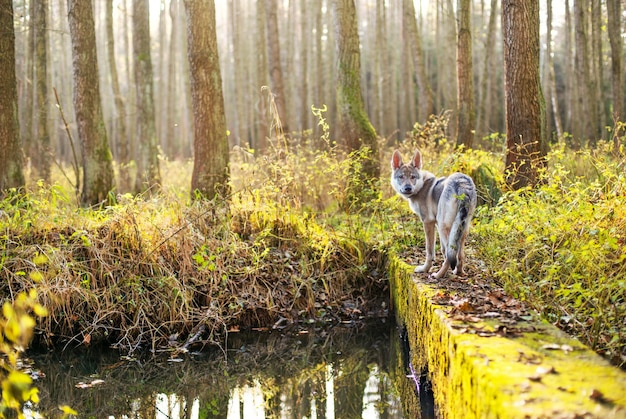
x=459 y=272
x=437 y=275
x=422 y=269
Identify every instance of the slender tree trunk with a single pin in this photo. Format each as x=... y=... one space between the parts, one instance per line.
x=356 y=130
x=186 y=79
x=487 y=76
x=465 y=76
x=210 y=170
x=235 y=15
x=159 y=76
x=275 y=70
x=585 y=99
x=597 y=76
x=409 y=22
x=573 y=115
x=172 y=140
x=11 y=172
x=524 y=99
x=148 y=172
x=614 y=11
x=131 y=119
x=303 y=86
x=263 y=79
x=124 y=181
x=96 y=154
x=551 y=82
x=42 y=154
x=28 y=137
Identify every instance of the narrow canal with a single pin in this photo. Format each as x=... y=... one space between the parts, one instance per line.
x=342 y=372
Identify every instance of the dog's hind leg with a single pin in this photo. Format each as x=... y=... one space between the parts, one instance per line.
x=461 y=257
x=443 y=270
x=429 y=232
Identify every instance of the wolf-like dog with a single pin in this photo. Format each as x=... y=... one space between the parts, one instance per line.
x=446 y=202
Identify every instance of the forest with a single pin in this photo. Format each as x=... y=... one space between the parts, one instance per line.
x=186 y=168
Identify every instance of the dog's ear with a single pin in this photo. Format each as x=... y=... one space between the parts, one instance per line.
x=417 y=160
x=396 y=160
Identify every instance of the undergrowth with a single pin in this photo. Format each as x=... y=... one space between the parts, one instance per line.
x=561 y=247
x=290 y=245
x=164 y=273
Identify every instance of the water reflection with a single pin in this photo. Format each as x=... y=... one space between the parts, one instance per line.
x=338 y=373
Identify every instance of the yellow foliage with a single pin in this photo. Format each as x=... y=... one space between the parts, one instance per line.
x=16 y=331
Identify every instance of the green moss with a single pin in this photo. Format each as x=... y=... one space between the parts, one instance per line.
x=498 y=376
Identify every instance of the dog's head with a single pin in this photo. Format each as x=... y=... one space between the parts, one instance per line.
x=406 y=179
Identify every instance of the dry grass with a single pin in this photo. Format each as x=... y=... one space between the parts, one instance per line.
x=159 y=272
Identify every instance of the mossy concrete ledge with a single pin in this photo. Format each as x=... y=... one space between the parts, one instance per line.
x=541 y=373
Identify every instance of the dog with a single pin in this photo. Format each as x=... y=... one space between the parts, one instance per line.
x=446 y=202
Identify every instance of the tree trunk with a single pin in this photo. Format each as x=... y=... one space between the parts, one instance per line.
x=487 y=76
x=11 y=172
x=172 y=140
x=465 y=76
x=355 y=128
x=573 y=120
x=409 y=22
x=276 y=72
x=597 y=56
x=210 y=170
x=303 y=85
x=124 y=181
x=263 y=79
x=550 y=80
x=588 y=116
x=148 y=173
x=524 y=99
x=614 y=11
x=96 y=154
x=42 y=155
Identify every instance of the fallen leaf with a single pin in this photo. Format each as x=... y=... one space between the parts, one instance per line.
x=597 y=396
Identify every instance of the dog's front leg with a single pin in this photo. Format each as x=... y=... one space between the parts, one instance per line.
x=429 y=232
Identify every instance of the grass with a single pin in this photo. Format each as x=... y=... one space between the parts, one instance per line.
x=562 y=246
x=293 y=245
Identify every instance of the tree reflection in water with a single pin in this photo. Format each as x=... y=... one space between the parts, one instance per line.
x=343 y=372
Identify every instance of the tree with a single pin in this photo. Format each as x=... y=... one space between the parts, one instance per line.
x=588 y=117
x=426 y=101
x=550 y=82
x=11 y=173
x=354 y=126
x=615 y=31
x=148 y=172
x=96 y=154
x=525 y=106
x=210 y=169
x=41 y=155
x=120 y=106
x=466 y=116
x=273 y=58
x=487 y=77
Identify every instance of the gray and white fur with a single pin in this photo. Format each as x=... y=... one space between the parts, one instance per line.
x=447 y=203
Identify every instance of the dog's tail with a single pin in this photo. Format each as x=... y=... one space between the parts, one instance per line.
x=459 y=226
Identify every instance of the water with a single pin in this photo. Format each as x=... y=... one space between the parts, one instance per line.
x=343 y=372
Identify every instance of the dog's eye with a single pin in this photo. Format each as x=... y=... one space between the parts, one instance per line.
x=413 y=177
